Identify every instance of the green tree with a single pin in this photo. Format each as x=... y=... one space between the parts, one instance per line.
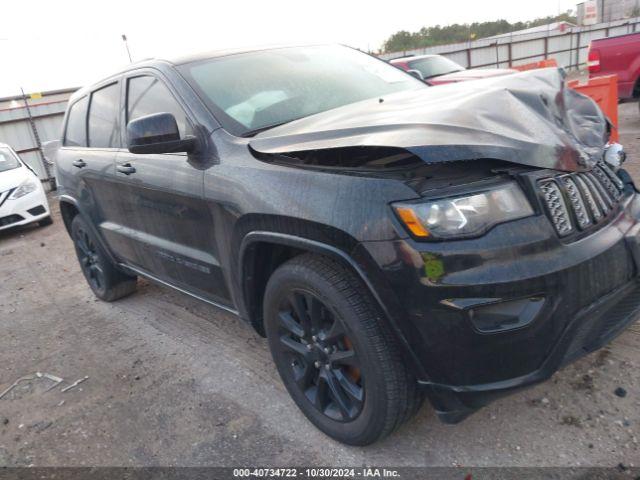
x=442 y=35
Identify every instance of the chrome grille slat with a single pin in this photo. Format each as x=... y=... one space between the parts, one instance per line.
x=596 y=213
x=612 y=176
x=606 y=182
x=581 y=200
x=557 y=207
x=601 y=196
x=577 y=202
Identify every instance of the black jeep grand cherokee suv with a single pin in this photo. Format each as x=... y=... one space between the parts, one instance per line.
x=391 y=240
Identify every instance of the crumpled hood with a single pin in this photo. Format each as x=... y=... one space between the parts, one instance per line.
x=528 y=118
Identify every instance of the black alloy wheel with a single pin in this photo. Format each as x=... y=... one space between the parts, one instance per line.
x=323 y=363
x=89 y=259
x=334 y=351
x=106 y=280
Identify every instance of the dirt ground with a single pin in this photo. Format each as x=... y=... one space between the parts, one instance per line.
x=172 y=381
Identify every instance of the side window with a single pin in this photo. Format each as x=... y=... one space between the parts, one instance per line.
x=103 y=117
x=147 y=95
x=76 y=132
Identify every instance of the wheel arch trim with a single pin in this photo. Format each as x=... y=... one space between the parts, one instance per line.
x=331 y=251
x=72 y=201
x=66 y=199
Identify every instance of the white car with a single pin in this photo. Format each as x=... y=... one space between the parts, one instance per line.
x=22 y=198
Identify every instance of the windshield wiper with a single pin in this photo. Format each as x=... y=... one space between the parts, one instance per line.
x=256 y=131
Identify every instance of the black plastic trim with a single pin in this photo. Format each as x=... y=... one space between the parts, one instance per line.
x=331 y=251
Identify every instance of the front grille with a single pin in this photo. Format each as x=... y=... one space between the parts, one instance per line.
x=8 y=220
x=578 y=201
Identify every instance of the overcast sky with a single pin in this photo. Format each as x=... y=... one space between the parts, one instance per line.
x=54 y=44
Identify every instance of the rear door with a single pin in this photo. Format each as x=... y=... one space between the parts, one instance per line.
x=70 y=156
x=104 y=139
x=87 y=158
x=165 y=209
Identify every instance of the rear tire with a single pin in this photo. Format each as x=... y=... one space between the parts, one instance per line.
x=45 y=221
x=106 y=281
x=328 y=337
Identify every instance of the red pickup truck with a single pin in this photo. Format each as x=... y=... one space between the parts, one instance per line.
x=620 y=56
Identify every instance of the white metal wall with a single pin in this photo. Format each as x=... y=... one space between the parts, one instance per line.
x=15 y=130
x=569 y=48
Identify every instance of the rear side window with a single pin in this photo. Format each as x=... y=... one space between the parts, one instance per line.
x=76 y=133
x=147 y=95
x=103 y=117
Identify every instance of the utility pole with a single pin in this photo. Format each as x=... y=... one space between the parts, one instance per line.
x=34 y=129
x=126 y=45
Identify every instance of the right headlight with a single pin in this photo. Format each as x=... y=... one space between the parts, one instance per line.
x=464 y=216
x=24 y=188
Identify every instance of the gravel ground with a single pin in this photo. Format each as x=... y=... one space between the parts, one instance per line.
x=172 y=381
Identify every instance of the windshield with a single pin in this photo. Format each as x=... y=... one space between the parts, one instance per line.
x=253 y=91
x=8 y=160
x=431 y=67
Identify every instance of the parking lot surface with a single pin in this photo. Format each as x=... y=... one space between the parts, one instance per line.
x=173 y=381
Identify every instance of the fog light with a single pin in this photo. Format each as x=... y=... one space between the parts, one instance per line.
x=505 y=316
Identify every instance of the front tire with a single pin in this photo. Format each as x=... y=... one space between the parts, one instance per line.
x=106 y=281
x=335 y=353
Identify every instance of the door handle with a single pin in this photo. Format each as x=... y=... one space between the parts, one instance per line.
x=126 y=168
x=79 y=163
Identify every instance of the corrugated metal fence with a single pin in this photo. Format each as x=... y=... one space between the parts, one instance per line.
x=568 y=47
x=15 y=128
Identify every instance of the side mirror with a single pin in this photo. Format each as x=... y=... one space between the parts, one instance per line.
x=157 y=133
x=416 y=73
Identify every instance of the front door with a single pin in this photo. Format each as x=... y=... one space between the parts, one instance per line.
x=166 y=215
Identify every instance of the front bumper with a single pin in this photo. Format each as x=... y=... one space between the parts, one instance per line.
x=29 y=208
x=591 y=329
x=554 y=301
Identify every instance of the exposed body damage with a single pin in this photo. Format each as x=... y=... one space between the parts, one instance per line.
x=528 y=118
